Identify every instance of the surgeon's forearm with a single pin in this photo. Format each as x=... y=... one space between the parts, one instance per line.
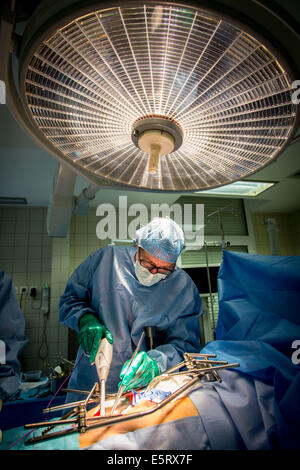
x=70 y=314
x=166 y=356
x=183 y=336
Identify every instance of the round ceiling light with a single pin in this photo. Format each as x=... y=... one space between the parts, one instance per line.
x=103 y=87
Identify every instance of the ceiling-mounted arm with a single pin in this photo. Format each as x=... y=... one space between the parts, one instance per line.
x=62 y=202
x=83 y=200
x=10 y=45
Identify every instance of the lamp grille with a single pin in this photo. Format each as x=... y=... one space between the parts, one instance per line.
x=92 y=79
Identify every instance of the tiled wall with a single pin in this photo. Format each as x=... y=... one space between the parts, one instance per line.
x=83 y=238
x=288 y=234
x=26 y=255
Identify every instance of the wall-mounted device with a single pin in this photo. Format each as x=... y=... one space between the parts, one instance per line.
x=45 y=299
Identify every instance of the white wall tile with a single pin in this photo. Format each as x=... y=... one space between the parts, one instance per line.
x=34 y=278
x=37 y=214
x=23 y=214
x=6 y=252
x=21 y=239
x=8 y=226
x=34 y=265
x=36 y=226
x=7 y=239
x=52 y=334
x=8 y=214
x=20 y=252
x=20 y=266
x=22 y=226
x=34 y=252
x=35 y=239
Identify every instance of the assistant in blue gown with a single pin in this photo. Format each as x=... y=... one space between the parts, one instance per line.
x=106 y=285
x=12 y=329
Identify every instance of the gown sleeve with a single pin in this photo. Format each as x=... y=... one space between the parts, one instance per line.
x=12 y=337
x=76 y=299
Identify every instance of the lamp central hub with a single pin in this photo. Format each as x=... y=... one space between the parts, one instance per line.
x=156 y=136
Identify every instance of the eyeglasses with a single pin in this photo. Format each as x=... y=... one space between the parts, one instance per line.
x=152 y=268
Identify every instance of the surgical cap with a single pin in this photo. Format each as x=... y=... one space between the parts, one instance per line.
x=162 y=238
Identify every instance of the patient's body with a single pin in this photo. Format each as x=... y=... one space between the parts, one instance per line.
x=172 y=411
x=220 y=416
x=235 y=414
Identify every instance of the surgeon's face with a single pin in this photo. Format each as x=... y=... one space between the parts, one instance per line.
x=153 y=264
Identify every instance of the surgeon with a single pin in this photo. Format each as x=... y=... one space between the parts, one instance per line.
x=116 y=293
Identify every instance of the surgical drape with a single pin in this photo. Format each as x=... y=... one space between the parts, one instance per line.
x=259 y=320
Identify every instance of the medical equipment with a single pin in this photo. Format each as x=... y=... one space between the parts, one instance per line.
x=102 y=362
x=197 y=366
x=273 y=230
x=121 y=389
x=45 y=299
x=223 y=84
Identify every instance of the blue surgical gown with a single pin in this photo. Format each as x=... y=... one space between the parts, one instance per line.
x=105 y=284
x=12 y=329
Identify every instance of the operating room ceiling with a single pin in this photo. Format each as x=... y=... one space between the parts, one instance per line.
x=27 y=170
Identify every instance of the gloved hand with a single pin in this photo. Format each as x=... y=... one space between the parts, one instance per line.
x=142 y=370
x=91 y=332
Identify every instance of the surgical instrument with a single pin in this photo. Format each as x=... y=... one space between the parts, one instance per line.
x=121 y=389
x=81 y=422
x=102 y=362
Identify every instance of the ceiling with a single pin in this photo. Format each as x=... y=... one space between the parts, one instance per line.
x=27 y=170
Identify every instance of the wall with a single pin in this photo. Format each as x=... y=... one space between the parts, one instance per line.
x=83 y=238
x=26 y=255
x=288 y=234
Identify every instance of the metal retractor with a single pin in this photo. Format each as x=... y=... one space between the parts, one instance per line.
x=196 y=367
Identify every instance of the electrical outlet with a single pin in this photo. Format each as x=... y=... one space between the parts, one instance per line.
x=24 y=290
x=33 y=291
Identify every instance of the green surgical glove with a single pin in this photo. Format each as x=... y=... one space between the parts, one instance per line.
x=142 y=370
x=91 y=332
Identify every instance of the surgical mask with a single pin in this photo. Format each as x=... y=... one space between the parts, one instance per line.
x=145 y=277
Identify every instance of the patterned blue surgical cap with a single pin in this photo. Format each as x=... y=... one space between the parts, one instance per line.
x=162 y=238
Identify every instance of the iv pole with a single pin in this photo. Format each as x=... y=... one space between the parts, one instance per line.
x=223 y=245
